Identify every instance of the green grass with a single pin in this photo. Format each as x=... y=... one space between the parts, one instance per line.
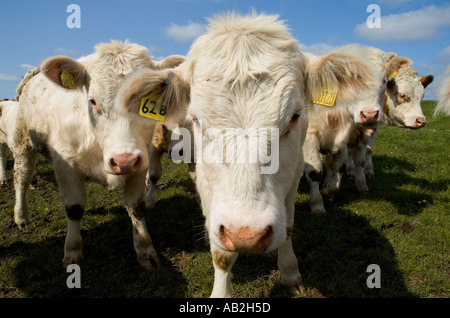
x=412 y=171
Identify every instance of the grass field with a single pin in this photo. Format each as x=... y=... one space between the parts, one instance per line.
x=402 y=225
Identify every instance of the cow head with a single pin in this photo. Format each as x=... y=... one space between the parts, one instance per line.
x=404 y=93
x=245 y=94
x=343 y=82
x=97 y=79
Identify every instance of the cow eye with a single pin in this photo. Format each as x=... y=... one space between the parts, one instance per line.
x=402 y=95
x=197 y=123
x=295 y=116
x=94 y=104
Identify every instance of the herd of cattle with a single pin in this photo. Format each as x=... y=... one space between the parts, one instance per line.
x=246 y=72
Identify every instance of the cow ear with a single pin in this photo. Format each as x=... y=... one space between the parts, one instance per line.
x=426 y=80
x=165 y=86
x=398 y=65
x=342 y=74
x=65 y=71
x=171 y=61
x=388 y=57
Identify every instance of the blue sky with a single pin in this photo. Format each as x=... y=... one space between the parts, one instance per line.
x=30 y=30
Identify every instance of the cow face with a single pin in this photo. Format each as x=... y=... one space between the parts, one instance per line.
x=99 y=77
x=343 y=83
x=369 y=110
x=244 y=190
x=250 y=123
x=404 y=94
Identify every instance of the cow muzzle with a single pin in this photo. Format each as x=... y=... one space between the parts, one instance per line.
x=420 y=122
x=125 y=163
x=246 y=239
x=369 y=116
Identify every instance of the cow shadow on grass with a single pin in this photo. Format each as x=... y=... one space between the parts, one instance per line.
x=334 y=251
x=392 y=180
x=109 y=268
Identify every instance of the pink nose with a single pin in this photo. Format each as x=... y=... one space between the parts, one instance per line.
x=245 y=239
x=125 y=163
x=420 y=121
x=369 y=116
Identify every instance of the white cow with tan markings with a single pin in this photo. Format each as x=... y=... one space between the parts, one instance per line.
x=65 y=111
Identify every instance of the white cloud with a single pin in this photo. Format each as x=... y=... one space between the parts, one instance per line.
x=70 y=52
x=9 y=78
x=316 y=48
x=444 y=55
x=185 y=33
x=26 y=67
x=409 y=26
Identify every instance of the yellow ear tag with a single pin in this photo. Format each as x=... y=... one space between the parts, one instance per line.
x=326 y=98
x=152 y=106
x=392 y=75
x=67 y=80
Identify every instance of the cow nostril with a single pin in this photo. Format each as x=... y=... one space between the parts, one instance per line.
x=245 y=239
x=114 y=166
x=137 y=163
x=125 y=163
x=420 y=121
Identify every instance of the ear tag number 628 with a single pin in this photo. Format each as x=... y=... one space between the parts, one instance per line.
x=153 y=107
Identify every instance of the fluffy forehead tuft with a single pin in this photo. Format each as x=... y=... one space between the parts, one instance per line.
x=244 y=66
x=409 y=83
x=110 y=63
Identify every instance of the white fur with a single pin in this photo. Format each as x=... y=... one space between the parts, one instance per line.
x=80 y=140
x=330 y=128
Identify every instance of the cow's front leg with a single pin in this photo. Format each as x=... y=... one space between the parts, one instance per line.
x=288 y=266
x=153 y=175
x=72 y=191
x=359 y=157
x=313 y=172
x=336 y=163
x=24 y=166
x=368 y=169
x=223 y=262
x=134 y=201
x=3 y=161
x=350 y=165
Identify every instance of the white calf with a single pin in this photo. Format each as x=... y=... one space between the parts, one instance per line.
x=443 y=106
x=333 y=118
x=65 y=111
x=401 y=108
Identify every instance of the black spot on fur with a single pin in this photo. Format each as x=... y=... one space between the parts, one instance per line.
x=315 y=176
x=74 y=212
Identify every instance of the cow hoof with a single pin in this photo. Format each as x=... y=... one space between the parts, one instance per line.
x=295 y=284
x=318 y=210
x=327 y=192
x=67 y=262
x=22 y=223
x=363 y=190
x=149 y=261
